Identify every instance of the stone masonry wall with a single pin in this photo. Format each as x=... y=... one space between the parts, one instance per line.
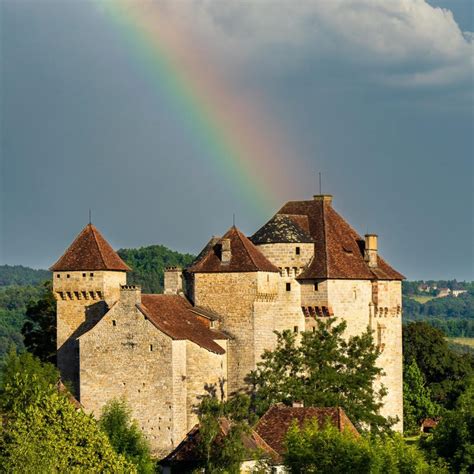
x=284 y=256
x=387 y=326
x=203 y=369
x=352 y=300
x=124 y=355
x=82 y=299
x=232 y=295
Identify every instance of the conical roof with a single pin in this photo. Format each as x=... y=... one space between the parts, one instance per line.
x=280 y=229
x=245 y=257
x=90 y=251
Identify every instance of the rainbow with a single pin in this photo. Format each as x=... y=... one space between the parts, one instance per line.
x=240 y=140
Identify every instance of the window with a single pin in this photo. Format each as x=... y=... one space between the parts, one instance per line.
x=298 y=250
x=83 y=275
x=151 y=350
x=91 y=275
x=288 y=287
x=295 y=329
x=68 y=276
x=58 y=276
x=316 y=286
x=114 y=323
x=314 y=328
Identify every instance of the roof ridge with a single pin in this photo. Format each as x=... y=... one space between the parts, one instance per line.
x=93 y=229
x=325 y=239
x=240 y=235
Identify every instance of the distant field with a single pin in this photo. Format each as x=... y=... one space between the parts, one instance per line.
x=422 y=299
x=466 y=341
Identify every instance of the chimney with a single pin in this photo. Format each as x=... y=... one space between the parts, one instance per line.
x=130 y=295
x=173 y=281
x=370 y=255
x=226 y=252
x=326 y=198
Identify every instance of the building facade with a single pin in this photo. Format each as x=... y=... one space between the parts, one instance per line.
x=213 y=322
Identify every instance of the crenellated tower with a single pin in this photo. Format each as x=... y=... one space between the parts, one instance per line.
x=86 y=283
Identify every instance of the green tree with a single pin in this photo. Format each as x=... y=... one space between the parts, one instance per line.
x=42 y=431
x=312 y=449
x=445 y=371
x=222 y=428
x=325 y=369
x=125 y=436
x=39 y=329
x=453 y=438
x=417 y=403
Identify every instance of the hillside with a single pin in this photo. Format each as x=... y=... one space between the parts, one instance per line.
x=22 y=276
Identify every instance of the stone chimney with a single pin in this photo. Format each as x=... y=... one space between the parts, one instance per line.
x=371 y=250
x=173 y=281
x=226 y=252
x=326 y=198
x=130 y=295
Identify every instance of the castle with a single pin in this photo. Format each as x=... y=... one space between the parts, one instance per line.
x=216 y=317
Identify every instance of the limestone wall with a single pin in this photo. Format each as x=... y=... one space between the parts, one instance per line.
x=232 y=295
x=203 y=369
x=124 y=355
x=286 y=256
x=82 y=299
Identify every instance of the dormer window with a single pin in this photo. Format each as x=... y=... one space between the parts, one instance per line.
x=298 y=250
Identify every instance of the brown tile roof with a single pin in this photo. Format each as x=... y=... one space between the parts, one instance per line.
x=280 y=228
x=245 y=257
x=187 y=452
x=338 y=249
x=90 y=251
x=173 y=315
x=274 y=424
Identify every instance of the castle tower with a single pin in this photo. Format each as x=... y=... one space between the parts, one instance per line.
x=86 y=282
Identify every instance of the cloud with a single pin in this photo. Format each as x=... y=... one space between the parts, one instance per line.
x=403 y=42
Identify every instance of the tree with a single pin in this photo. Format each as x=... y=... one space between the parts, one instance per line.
x=125 y=435
x=327 y=450
x=453 y=438
x=325 y=370
x=221 y=451
x=417 y=403
x=39 y=329
x=445 y=371
x=42 y=430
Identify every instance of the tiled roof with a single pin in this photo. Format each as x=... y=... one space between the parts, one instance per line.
x=173 y=315
x=188 y=453
x=245 y=257
x=90 y=251
x=280 y=229
x=274 y=424
x=338 y=249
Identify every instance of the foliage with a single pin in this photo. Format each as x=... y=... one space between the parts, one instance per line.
x=453 y=438
x=13 y=303
x=42 y=430
x=125 y=436
x=327 y=450
x=445 y=371
x=417 y=403
x=149 y=263
x=324 y=370
x=24 y=380
x=19 y=275
x=221 y=451
x=39 y=329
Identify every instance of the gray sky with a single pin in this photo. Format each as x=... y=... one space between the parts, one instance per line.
x=377 y=95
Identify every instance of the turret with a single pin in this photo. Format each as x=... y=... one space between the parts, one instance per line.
x=86 y=281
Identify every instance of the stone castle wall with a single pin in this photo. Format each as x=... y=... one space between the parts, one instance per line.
x=82 y=299
x=286 y=258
